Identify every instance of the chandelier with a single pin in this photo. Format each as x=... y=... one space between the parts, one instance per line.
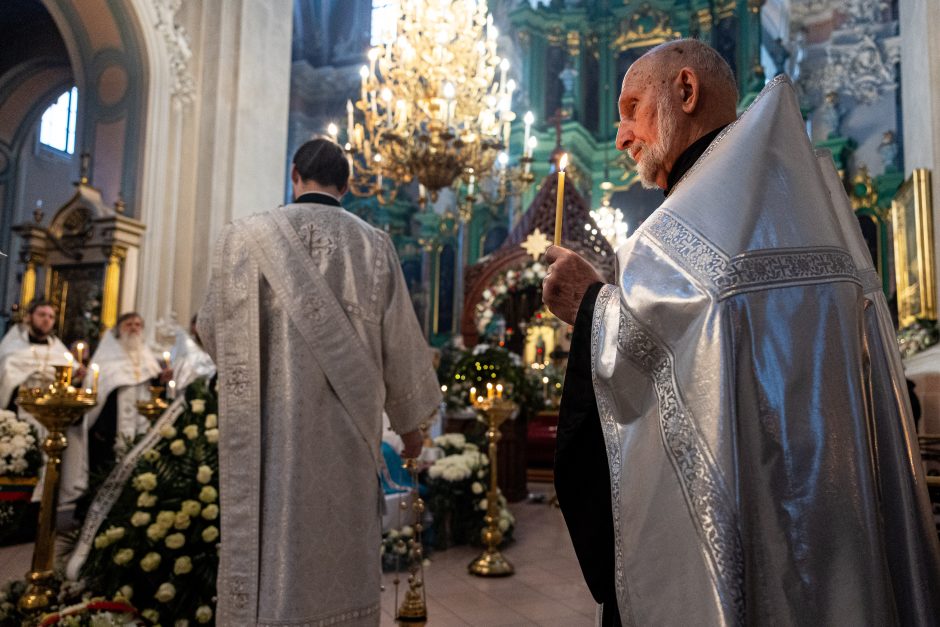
x=609 y=220
x=434 y=103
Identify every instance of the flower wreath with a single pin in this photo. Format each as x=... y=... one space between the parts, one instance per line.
x=504 y=285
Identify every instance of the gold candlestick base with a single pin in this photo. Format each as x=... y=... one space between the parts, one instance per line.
x=154 y=407
x=56 y=407
x=413 y=611
x=491 y=562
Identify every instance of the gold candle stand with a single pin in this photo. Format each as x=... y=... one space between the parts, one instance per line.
x=414 y=608
x=491 y=562
x=56 y=407
x=153 y=408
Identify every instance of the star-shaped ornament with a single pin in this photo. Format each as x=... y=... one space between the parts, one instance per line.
x=536 y=244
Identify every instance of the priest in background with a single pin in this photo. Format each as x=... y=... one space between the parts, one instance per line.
x=29 y=353
x=127 y=368
x=310 y=323
x=735 y=443
x=30 y=349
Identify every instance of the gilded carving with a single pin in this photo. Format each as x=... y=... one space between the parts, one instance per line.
x=646 y=27
x=574 y=43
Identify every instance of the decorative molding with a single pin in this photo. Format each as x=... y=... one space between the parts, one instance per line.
x=646 y=27
x=179 y=52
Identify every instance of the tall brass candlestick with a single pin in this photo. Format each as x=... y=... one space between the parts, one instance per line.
x=152 y=408
x=491 y=562
x=56 y=407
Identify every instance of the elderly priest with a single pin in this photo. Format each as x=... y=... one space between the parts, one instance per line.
x=735 y=443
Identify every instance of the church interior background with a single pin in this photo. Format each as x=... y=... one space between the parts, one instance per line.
x=132 y=131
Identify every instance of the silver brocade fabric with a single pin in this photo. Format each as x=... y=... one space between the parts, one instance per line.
x=310 y=323
x=763 y=462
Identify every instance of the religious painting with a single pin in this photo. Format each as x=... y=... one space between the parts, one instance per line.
x=913 y=249
x=76 y=292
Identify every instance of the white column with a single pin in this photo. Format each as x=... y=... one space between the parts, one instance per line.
x=920 y=75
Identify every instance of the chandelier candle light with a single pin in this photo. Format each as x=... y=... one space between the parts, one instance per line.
x=560 y=198
x=434 y=103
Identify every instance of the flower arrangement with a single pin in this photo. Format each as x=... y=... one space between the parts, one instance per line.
x=76 y=608
x=20 y=461
x=158 y=546
x=917 y=336
x=505 y=285
x=457 y=484
x=395 y=548
x=19 y=452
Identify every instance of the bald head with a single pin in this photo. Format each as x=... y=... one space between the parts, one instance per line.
x=671 y=96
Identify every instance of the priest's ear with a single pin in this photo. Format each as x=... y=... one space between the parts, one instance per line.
x=688 y=87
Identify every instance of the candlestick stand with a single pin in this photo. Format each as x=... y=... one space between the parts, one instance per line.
x=414 y=608
x=56 y=407
x=152 y=408
x=491 y=562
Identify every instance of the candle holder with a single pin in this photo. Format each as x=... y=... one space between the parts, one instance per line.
x=414 y=608
x=153 y=408
x=56 y=406
x=491 y=562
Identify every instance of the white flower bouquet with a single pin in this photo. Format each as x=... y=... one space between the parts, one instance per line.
x=20 y=460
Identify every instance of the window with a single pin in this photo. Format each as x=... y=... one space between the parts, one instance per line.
x=57 y=129
x=384 y=21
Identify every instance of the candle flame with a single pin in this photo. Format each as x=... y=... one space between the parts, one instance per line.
x=563 y=162
x=95 y=368
x=69 y=358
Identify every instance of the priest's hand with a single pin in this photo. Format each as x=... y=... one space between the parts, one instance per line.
x=568 y=278
x=413 y=441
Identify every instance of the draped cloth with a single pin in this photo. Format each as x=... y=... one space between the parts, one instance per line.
x=309 y=321
x=760 y=451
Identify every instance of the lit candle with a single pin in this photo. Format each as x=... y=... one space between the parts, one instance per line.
x=470 y=185
x=374 y=54
x=499 y=390
x=332 y=131
x=545 y=385
x=530 y=145
x=349 y=120
x=489 y=390
x=80 y=347
x=166 y=359
x=171 y=390
x=560 y=198
x=473 y=395
x=529 y=118
x=69 y=360
x=95 y=370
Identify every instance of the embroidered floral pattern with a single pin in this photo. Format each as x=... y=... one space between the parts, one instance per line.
x=704 y=488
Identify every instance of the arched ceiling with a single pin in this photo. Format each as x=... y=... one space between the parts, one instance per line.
x=28 y=32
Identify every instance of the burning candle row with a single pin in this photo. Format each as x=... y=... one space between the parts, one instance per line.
x=492 y=391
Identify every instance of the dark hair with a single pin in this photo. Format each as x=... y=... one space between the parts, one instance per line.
x=323 y=161
x=37 y=303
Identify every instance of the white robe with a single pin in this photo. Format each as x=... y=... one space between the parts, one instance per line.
x=117 y=372
x=309 y=320
x=19 y=360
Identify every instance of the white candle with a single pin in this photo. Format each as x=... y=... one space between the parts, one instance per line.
x=363 y=74
x=349 y=120
x=529 y=118
x=80 y=347
x=96 y=370
x=470 y=185
x=171 y=390
x=69 y=360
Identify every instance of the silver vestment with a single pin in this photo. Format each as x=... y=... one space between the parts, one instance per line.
x=762 y=456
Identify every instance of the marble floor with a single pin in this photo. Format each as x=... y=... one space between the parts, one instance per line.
x=546 y=590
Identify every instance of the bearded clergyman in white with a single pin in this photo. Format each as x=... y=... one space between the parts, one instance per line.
x=29 y=353
x=127 y=367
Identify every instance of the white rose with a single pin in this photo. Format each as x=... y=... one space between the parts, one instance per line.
x=182 y=622
x=165 y=592
x=18 y=441
x=212 y=421
x=210 y=533
x=175 y=541
x=151 y=455
x=139 y=519
x=156 y=532
x=145 y=482
x=152 y=615
x=503 y=524
x=178 y=447
x=150 y=562
x=208 y=494
x=182 y=565
x=127 y=592
x=182 y=521
x=101 y=541
x=168 y=432
x=204 y=475
x=124 y=556
x=19 y=465
x=166 y=518
x=477 y=487
x=20 y=428
x=484 y=504
x=212 y=436
x=191 y=432
x=203 y=614
x=191 y=508
x=434 y=472
x=501 y=289
x=407 y=531
x=487 y=294
x=210 y=512
x=146 y=500
x=197 y=406
x=114 y=533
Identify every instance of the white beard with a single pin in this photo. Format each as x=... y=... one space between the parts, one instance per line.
x=132 y=343
x=653 y=158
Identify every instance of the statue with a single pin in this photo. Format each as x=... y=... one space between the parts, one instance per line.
x=888 y=151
